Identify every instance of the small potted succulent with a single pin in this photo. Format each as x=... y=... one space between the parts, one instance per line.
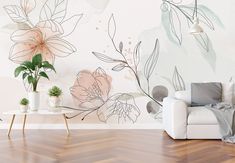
x=54 y=98
x=24 y=102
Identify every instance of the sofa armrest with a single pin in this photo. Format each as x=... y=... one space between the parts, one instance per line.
x=175 y=117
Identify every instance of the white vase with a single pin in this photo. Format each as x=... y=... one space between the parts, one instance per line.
x=34 y=100
x=54 y=102
x=24 y=108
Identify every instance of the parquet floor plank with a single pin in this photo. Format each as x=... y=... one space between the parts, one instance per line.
x=109 y=146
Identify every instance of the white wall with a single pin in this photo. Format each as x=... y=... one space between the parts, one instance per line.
x=135 y=21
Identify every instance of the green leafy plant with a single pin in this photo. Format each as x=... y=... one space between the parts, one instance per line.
x=24 y=101
x=33 y=70
x=55 y=91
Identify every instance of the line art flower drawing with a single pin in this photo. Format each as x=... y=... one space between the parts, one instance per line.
x=38 y=40
x=91 y=89
x=47 y=36
x=91 y=94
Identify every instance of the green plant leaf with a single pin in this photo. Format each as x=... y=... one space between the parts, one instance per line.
x=43 y=74
x=30 y=79
x=55 y=91
x=28 y=65
x=24 y=101
x=18 y=70
x=24 y=75
x=40 y=65
x=47 y=65
x=37 y=59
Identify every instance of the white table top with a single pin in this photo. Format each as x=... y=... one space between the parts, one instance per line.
x=39 y=112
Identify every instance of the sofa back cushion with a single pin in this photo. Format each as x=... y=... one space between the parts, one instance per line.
x=206 y=93
x=228 y=94
x=184 y=96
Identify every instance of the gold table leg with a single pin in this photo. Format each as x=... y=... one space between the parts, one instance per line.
x=66 y=123
x=25 y=116
x=12 y=121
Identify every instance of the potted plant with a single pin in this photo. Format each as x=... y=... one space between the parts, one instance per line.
x=24 y=105
x=54 y=98
x=32 y=71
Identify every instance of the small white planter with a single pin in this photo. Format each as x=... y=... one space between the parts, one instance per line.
x=54 y=102
x=34 y=100
x=24 y=108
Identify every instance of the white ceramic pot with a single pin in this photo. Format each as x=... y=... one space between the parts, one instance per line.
x=24 y=108
x=54 y=102
x=34 y=100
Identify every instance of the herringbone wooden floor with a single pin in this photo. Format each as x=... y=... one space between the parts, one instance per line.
x=109 y=146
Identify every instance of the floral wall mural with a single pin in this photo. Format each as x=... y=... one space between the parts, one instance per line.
x=132 y=63
x=176 y=16
x=91 y=91
x=116 y=65
x=46 y=36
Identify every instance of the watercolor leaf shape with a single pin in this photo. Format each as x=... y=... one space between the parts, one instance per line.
x=174 y=14
x=176 y=18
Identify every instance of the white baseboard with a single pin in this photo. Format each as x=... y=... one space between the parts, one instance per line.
x=85 y=126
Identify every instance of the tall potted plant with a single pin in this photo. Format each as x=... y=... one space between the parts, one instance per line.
x=32 y=71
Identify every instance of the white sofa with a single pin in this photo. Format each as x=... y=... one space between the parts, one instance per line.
x=183 y=122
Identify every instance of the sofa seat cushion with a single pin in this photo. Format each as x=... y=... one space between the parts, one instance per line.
x=201 y=115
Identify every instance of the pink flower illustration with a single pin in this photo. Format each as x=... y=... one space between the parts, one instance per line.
x=91 y=89
x=39 y=40
x=44 y=37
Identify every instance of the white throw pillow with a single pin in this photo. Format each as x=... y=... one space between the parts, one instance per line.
x=184 y=96
x=227 y=92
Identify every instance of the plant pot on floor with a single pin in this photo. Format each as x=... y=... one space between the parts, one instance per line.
x=34 y=100
x=24 y=108
x=54 y=103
